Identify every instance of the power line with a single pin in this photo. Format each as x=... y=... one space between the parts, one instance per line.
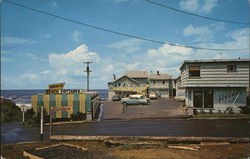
x=201 y=16
x=119 y=33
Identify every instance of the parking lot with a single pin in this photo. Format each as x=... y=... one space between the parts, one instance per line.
x=161 y=108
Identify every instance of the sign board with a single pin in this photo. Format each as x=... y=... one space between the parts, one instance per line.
x=65 y=108
x=56 y=86
x=60 y=91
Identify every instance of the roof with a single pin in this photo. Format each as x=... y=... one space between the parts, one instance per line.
x=160 y=76
x=127 y=77
x=136 y=74
x=214 y=61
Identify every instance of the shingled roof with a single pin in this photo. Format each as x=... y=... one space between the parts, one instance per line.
x=160 y=76
x=136 y=74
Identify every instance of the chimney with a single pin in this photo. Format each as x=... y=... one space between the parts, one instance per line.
x=114 y=77
x=158 y=73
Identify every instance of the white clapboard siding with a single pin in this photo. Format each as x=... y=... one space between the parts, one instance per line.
x=216 y=75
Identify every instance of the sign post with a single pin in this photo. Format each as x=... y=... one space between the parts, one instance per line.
x=50 y=125
x=41 y=124
x=23 y=110
x=54 y=109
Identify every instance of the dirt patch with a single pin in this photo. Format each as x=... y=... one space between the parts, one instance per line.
x=99 y=150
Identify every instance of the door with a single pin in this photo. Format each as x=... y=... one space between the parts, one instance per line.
x=208 y=99
x=198 y=99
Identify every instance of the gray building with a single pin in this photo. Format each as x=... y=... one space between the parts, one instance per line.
x=161 y=84
x=142 y=82
x=215 y=84
x=179 y=92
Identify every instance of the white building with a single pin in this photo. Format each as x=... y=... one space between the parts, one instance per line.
x=141 y=82
x=215 y=84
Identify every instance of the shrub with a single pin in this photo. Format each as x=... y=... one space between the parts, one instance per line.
x=195 y=112
x=245 y=109
x=78 y=116
x=203 y=111
x=211 y=111
x=229 y=110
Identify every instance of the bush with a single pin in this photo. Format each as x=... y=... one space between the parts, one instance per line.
x=195 y=112
x=229 y=110
x=78 y=116
x=245 y=109
x=203 y=111
x=211 y=111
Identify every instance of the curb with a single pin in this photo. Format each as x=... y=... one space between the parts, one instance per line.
x=152 y=138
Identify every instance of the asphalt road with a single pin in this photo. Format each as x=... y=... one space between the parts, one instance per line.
x=212 y=128
x=164 y=127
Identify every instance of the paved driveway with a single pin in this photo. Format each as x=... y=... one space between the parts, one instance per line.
x=163 y=108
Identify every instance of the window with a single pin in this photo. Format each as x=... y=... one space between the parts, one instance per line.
x=163 y=82
x=154 y=81
x=119 y=84
x=231 y=68
x=124 y=85
x=194 y=71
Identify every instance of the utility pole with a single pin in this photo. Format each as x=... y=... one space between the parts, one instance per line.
x=88 y=71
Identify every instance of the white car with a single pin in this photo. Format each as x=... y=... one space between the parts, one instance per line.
x=152 y=96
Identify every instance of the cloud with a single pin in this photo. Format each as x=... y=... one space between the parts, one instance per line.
x=72 y=61
x=47 y=35
x=7 y=59
x=127 y=46
x=34 y=57
x=190 y=5
x=53 y=3
x=76 y=36
x=208 y=6
x=202 y=33
x=200 y=6
x=16 y=40
x=119 y=1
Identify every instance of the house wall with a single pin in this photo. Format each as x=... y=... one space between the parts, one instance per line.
x=142 y=81
x=216 y=75
x=159 y=83
x=161 y=89
x=124 y=82
x=222 y=98
x=110 y=94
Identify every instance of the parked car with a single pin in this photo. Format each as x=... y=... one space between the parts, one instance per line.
x=135 y=99
x=116 y=98
x=152 y=95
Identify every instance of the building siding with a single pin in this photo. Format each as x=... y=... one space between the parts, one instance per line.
x=216 y=75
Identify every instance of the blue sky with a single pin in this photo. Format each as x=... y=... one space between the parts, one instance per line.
x=38 y=50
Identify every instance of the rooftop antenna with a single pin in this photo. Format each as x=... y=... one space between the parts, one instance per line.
x=88 y=71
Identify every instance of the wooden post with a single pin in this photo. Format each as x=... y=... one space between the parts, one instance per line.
x=50 y=125
x=41 y=124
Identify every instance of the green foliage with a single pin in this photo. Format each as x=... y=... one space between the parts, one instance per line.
x=78 y=116
x=29 y=114
x=7 y=147
x=211 y=111
x=229 y=110
x=9 y=111
x=245 y=109
x=203 y=111
x=195 y=112
x=130 y=147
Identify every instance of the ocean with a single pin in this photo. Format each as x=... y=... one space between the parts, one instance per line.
x=24 y=96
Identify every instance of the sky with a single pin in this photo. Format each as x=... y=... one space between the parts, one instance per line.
x=38 y=50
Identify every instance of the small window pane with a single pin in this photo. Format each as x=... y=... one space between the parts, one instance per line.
x=231 y=68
